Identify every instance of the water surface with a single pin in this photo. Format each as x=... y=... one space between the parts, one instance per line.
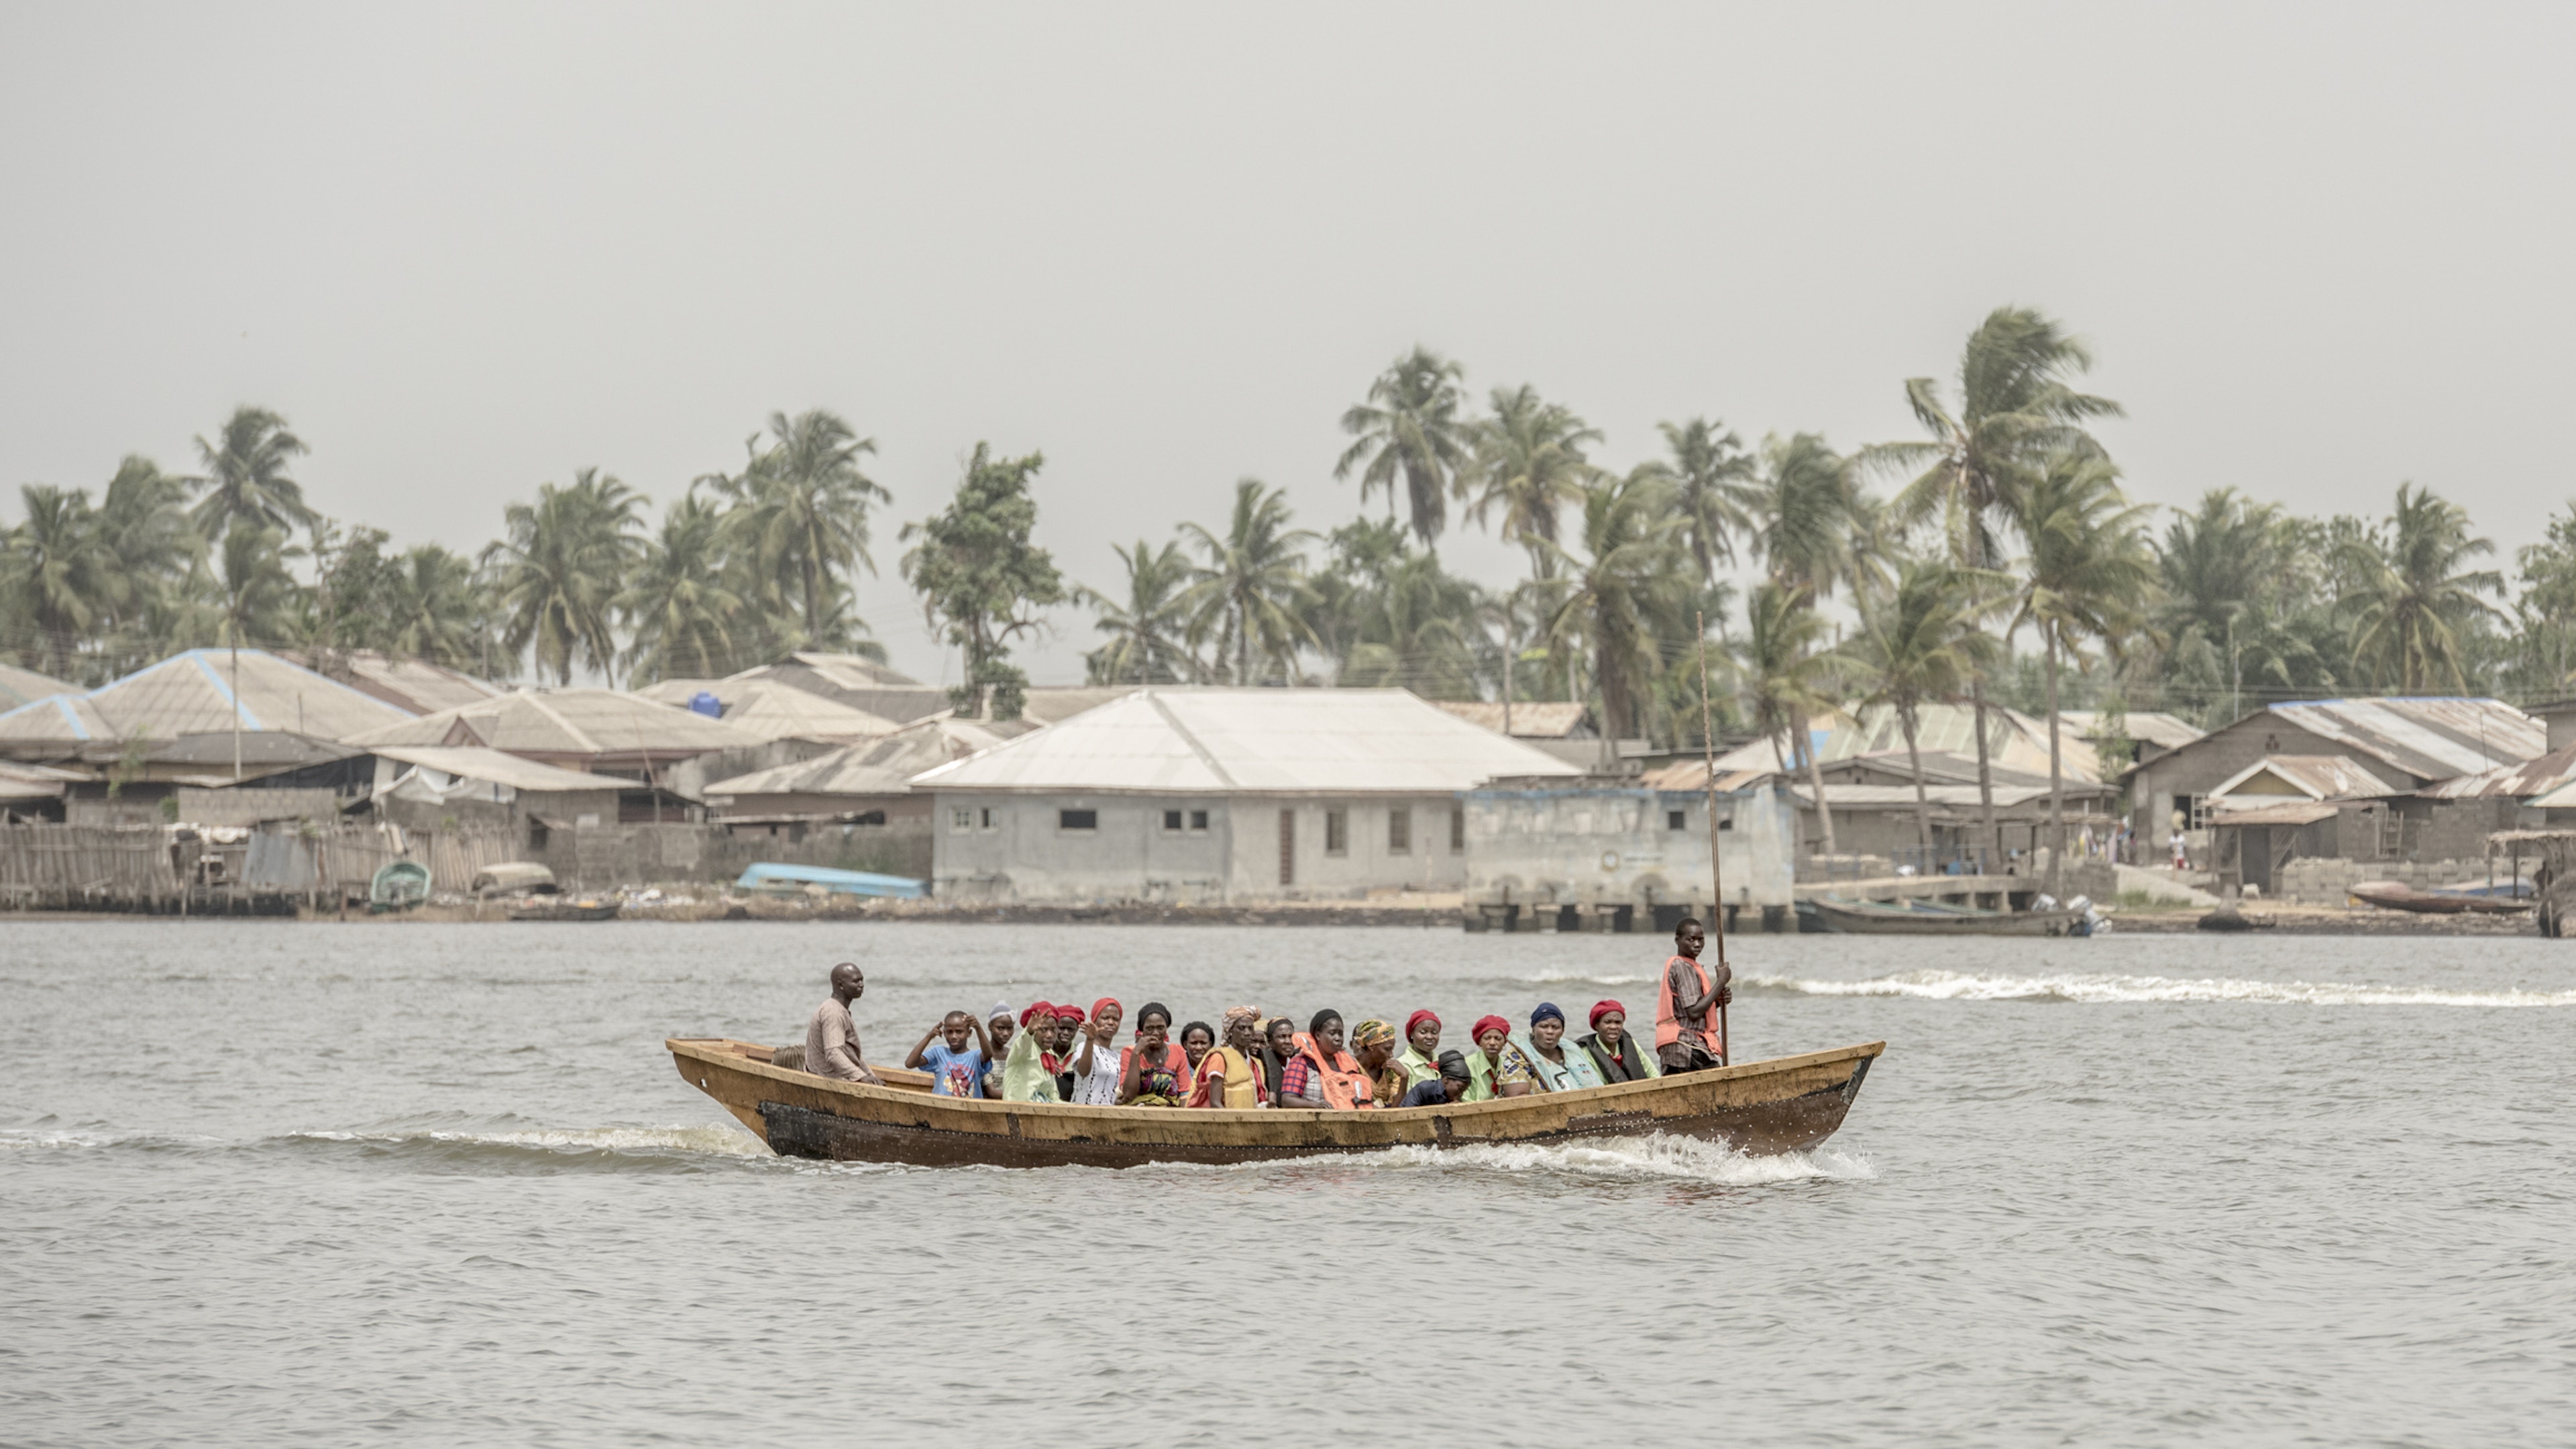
x=263 y=1183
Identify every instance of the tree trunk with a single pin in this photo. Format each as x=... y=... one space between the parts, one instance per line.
x=1806 y=742
x=237 y=704
x=1508 y=662
x=2056 y=782
x=1985 y=773
x=1922 y=797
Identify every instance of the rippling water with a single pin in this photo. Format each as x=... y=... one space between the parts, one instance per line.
x=262 y=1182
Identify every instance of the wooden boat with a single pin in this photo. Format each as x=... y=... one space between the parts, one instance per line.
x=1924 y=918
x=562 y=908
x=1781 y=1105
x=2396 y=896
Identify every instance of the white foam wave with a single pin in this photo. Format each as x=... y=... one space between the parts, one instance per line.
x=722 y=1141
x=1551 y=978
x=2097 y=989
x=1653 y=1157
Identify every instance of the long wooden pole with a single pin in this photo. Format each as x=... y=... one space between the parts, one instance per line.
x=1716 y=874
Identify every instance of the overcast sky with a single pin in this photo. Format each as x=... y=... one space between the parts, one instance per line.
x=468 y=249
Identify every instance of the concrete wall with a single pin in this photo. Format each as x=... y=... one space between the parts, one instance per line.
x=2324 y=882
x=992 y=847
x=1604 y=843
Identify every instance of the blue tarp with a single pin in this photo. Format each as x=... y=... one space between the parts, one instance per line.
x=844 y=882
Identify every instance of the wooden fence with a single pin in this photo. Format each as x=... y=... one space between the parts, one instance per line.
x=151 y=868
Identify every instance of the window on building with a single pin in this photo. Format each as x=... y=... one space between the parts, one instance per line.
x=1198 y=822
x=1399 y=831
x=961 y=820
x=1337 y=832
x=1680 y=820
x=1457 y=831
x=992 y=818
x=1171 y=822
x=1077 y=820
x=1287 y=847
x=2195 y=812
x=868 y=817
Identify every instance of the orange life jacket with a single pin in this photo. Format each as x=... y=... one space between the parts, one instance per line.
x=1668 y=1025
x=1344 y=1085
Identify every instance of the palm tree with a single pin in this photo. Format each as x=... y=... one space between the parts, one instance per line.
x=2226 y=571
x=1148 y=634
x=245 y=478
x=1410 y=427
x=1529 y=463
x=431 y=608
x=2016 y=407
x=2088 y=575
x=1789 y=678
x=1806 y=518
x=58 y=576
x=143 y=525
x=2415 y=597
x=682 y=620
x=257 y=597
x=1711 y=471
x=804 y=515
x=1415 y=633
x=1246 y=595
x=1624 y=594
x=561 y=568
x=1921 y=642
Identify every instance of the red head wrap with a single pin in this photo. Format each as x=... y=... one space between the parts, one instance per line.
x=1485 y=1024
x=1601 y=1009
x=1036 y=1010
x=1068 y=1013
x=1417 y=1019
x=1106 y=1001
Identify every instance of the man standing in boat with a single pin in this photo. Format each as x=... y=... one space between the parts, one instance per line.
x=1687 y=1038
x=832 y=1038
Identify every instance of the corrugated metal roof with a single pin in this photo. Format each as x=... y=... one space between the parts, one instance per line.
x=2282 y=812
x=473 y=762
x=58 y=724
x=2013 y=740
x=26 y=686
x=774 y=710
x=2317 y=777
x=2550 y=772
x=1213 y=741
x=877 y=767
x=1864 y=797
x=2429 y=739
x=416 y=685
x=567 y=722
x=1054 y=704
x=2162 y=730
x=192 y=693
x=1531 y=720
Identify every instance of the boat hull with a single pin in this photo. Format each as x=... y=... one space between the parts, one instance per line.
x=1759 y=1107
x=2391 y=896
x=1838 y=916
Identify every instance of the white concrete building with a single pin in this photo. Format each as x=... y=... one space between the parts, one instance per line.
x=1201 y=795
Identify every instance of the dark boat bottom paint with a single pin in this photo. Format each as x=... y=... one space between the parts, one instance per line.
x=1772 y=1127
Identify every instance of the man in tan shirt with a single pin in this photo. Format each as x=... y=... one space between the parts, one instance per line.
x=832 y=1038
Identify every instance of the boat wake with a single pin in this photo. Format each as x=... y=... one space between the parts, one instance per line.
x=543 y=1149
x=2093 y=989
x=1634 y=1159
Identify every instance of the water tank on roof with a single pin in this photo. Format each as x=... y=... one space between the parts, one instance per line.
x=706 y=704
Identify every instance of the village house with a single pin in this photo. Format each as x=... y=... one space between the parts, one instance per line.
x=1217 y=795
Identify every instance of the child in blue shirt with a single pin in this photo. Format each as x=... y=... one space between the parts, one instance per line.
x=956 y=1069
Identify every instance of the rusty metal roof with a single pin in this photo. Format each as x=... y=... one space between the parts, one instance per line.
x=2429 y=739
x=2550 y=772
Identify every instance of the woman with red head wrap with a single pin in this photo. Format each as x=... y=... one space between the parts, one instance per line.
x=1092 y=1055
x=1421 y=1056
x=1613 y=1050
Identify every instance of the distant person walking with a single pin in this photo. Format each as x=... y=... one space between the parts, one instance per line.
x=832 y=1038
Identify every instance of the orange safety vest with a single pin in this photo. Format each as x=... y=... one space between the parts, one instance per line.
x=1241 y=1075
x=1345 y=1086
x=1668 y=1025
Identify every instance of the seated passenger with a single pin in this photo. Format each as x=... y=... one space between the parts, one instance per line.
x=1498 y=1068
x=1447 y=1085
x=1232 y=1075
x=1197 y=1040
x=1421 y=1059
x=1373 y=1042
x=999 y=1024
x=832 y=1038
x=1068 y=1033
x=1278 y=1044
x=1617 y=1055
x=1093 y=1055
x=1319 y=1075
x=956 y=1069
x=1028 y=1074
x=1155 y=1072
x=1553 y=1065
